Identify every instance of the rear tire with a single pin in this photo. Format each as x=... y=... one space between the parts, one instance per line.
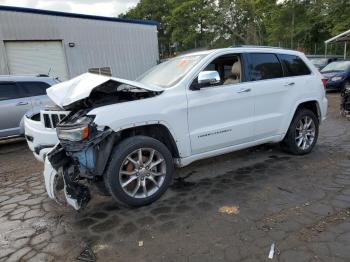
x=302 y=133
x=140 y=170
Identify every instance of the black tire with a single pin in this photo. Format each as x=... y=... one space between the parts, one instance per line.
x=289 y=143
x=120 y=153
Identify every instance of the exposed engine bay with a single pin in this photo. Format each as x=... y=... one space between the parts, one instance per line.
x=111 y=92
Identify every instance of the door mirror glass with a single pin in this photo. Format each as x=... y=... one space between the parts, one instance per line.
x=208 y=78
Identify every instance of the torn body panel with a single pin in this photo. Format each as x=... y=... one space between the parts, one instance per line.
x=61 y=176
x=91 y=90
x=75 y=162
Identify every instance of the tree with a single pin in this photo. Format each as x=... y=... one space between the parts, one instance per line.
x=297 y=24
x=158 y=10
x=190 y=23
x=241 y=22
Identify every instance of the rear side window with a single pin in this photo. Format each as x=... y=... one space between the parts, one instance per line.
x=8 y=91
x=264 y=66
x=33 y=88
x=294 y=66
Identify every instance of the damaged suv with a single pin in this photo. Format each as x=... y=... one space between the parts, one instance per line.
x=126 y=137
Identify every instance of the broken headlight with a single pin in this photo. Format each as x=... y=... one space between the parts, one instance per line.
x=75 y=131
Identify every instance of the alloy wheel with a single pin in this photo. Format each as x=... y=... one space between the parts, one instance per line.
x=305 y=133
x=142 y=172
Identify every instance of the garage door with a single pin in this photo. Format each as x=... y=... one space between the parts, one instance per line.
x=36 y=57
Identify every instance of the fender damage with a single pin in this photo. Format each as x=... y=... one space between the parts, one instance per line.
x=81 y=156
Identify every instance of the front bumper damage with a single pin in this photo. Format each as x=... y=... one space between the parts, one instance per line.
x=60 y=187
x=70 y=168
x=62 y=184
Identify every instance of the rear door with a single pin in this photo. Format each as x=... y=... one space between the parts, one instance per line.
x=271 y=92
x=13 y=106
x=299 y=81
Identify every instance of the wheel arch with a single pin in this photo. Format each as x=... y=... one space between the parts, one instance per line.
x=311 y=104
x=156 y=130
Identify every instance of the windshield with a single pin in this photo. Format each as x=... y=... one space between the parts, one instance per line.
x=319 y=61
x=337 y=66
x=170 y=72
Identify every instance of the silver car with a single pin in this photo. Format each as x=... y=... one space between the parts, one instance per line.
x=20 y=96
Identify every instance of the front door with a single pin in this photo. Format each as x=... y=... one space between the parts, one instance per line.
x=221 y=115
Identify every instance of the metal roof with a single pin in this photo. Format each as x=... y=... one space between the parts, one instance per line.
x=74 y=15
x=343 y=37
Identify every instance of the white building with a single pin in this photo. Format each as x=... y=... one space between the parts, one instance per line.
x=65 y=45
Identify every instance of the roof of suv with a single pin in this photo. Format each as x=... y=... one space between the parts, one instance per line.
x=20 y=78
x=243 y=48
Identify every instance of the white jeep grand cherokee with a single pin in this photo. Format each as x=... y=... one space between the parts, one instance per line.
x=126 y=137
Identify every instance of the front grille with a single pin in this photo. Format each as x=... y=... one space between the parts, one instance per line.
x=52 y=118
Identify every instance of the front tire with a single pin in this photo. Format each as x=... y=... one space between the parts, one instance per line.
x=302 y=133
x=139 y=171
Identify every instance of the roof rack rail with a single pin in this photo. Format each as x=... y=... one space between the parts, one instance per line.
x=258 y=46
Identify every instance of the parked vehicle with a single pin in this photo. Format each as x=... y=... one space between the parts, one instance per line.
x=321 y=61
x=337 y=75
x=19 y=96
x=345 y=101
x=126 y=137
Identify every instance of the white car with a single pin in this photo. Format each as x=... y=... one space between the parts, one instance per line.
x=127 y=136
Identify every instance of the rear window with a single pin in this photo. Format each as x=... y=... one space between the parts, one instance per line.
x=294 y=66
x=33 y=88
x=8 y=91
x=264 y=66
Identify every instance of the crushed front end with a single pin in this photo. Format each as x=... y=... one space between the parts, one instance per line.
x=78 y=160
x=81 y=156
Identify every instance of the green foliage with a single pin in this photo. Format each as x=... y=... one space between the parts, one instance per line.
x=297 y=24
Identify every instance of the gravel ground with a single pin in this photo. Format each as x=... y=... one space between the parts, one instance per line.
x=228 y=208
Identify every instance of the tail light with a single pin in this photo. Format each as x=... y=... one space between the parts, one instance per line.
x=324 y=82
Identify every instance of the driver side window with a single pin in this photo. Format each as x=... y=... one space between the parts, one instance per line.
x=228 y=67
x=223 y=70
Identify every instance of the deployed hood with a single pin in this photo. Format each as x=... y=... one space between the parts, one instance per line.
x=80 y=87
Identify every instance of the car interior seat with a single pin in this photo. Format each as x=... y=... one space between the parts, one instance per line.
x=235 y=74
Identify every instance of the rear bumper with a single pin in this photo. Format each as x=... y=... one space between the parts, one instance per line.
x=40 y=139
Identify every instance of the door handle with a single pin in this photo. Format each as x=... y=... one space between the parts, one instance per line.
x=22 y=103
x=289 y=84
x=244 y=90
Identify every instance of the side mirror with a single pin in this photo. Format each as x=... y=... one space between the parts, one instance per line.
x=208 y=77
